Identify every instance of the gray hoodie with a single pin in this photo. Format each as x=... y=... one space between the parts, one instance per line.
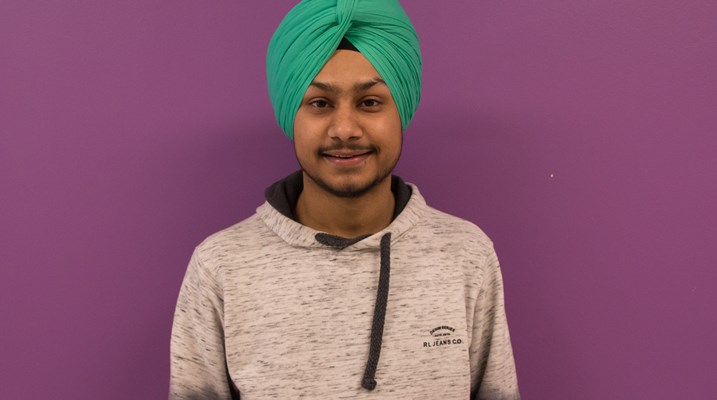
x=270 y=308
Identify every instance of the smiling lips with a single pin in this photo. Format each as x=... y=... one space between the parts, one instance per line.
x=346 y=158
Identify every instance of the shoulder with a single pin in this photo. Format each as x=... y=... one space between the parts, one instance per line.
x=243 y=233
x=237 y=243
x=441 y=223
x=455 y=245
x=460 y=225
x=436 y=229
x=456 y=229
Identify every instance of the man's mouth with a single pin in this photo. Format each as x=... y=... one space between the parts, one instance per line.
x=346 y=156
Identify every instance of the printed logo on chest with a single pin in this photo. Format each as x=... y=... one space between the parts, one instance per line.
x=442 y=335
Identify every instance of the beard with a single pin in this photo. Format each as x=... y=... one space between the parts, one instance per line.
x=350 y=189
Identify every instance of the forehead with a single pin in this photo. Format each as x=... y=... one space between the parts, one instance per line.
x=345 y=67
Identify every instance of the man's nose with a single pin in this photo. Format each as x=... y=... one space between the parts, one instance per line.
x=345 y=124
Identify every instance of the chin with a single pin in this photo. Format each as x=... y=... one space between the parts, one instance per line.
x=352 y=189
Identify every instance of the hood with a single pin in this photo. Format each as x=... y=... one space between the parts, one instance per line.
x=281 y=197
x=278 y=214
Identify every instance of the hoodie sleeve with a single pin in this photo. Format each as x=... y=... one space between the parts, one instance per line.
x=198 y=362
x=493 y=375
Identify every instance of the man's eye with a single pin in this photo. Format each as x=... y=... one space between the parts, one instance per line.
x=319 y=103
x=370 y=103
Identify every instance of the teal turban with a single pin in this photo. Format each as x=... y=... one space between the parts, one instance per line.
x=309 y=35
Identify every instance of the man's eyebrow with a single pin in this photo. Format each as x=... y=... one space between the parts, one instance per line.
x=359 y=87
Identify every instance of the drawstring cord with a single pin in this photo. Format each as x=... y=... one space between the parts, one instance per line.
x=379 y=314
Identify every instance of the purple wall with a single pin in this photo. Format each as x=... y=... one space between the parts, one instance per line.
x=581 y=135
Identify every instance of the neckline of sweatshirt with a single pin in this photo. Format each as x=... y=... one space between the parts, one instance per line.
x=278 y=215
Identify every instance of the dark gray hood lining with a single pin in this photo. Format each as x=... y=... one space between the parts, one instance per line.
x=283 y=194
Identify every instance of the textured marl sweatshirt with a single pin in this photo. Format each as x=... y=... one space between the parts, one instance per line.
x=270 y=310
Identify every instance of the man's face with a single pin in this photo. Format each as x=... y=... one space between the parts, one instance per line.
x=347 y=131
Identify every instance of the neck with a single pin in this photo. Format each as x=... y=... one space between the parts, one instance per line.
x=346 y=217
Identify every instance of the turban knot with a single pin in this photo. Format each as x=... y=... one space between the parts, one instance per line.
x=344 y=11
x=309 y=35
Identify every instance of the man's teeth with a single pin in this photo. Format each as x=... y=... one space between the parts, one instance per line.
x=345 y=156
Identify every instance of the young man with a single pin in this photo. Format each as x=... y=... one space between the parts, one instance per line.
x=344 y=284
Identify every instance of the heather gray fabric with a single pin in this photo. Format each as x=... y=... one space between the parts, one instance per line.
x=266 y=309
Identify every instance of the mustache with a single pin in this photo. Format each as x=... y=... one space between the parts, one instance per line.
x=353 y=148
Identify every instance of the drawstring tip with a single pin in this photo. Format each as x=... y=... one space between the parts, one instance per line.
x=368 y=383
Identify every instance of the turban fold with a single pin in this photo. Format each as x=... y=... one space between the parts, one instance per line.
x=309 y=35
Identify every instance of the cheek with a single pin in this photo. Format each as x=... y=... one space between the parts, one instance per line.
x=300 y=146
x=301 y=134
x=298 y=126
x=393 y=120
x=393 y=133
x=307 y=128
